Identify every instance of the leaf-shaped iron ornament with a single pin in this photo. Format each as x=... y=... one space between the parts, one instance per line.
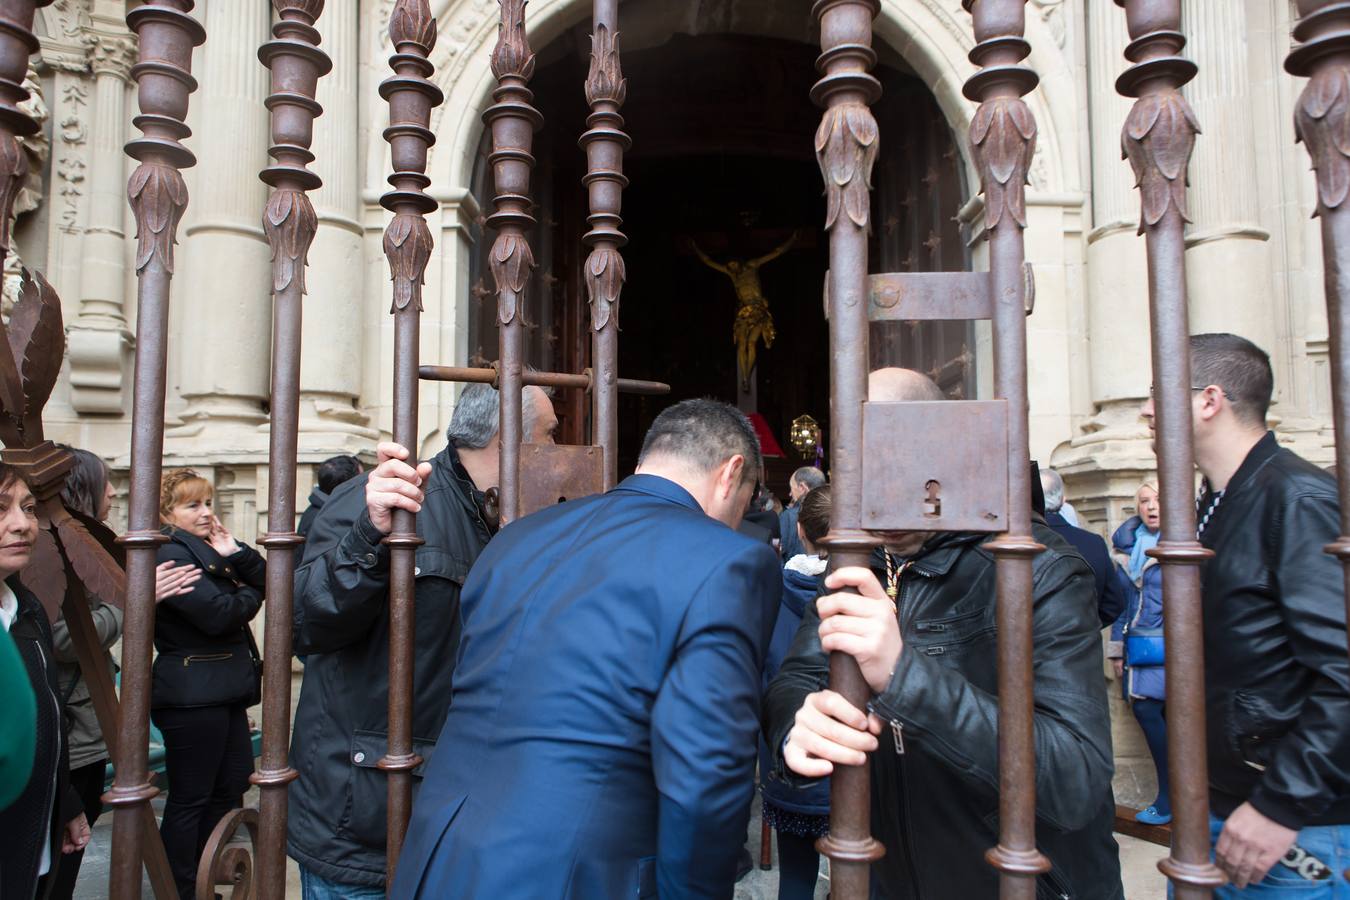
x=847 y=142
x=407 y=244
x=158 y=197
x=1322 y=123
x=605 y=275
x=290 y=224
x=1003 y=141
x=411 y=22
x=605 y=81
x=95 y=568
x=1158 y=138
x=311 y=9
x=45 y=574
x=38 y=341
x=511 y=262
x=512 y=55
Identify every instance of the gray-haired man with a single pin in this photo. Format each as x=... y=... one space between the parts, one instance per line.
x=802 y=482
x=337 y=817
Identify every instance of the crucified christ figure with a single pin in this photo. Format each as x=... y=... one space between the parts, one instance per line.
x=754 y=322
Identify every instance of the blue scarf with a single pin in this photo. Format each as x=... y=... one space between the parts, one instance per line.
x=1143 y=540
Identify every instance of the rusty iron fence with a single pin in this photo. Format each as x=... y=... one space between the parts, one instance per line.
x=77 y=556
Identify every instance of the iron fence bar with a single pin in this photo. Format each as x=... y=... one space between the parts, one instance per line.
x=1323 y=55
x=158 y=196
x=296 y=63
x=407 y=245
x=1158 y=137
x=605 y=143
x=584 y=381
x=513 y=121
x=1002 y=143
x=846 y=148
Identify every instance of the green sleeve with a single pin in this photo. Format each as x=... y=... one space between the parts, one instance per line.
x=18 y=721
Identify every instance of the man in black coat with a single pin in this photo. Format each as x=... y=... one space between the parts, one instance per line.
x=336 y=828
x=331 y=475
x=1110 y=597
x=1277 y=679
x=930 y=659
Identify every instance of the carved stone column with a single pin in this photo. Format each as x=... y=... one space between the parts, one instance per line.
x=99 y=341
x=1228 y=262
x=1106 y=463
x=330 y=370
x=224 y=320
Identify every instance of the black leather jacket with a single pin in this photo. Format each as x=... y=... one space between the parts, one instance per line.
x=935 y=805
x=1277 y=677
x=337 y=822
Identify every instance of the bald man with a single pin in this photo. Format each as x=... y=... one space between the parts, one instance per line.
x=922 y=628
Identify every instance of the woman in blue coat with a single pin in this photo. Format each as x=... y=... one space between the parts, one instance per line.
x=798 y=815
x=1144 y=686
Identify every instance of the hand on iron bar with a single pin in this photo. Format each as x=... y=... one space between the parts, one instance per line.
x=1250 y=844
x=76 y=835
x=174 y=579
x=394 y=484
x=829 y=731
x=861 y=624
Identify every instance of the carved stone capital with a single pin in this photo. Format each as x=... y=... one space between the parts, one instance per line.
x=1003 y=142
x=1158 y=138
x=290 y=224
x=847 y=142
x=605 y=276
x=407 y=245
x=158 y=197
x=1322 y=123
x=111 y=54
x=512 y=56
x=512 y=262
x=605 y=82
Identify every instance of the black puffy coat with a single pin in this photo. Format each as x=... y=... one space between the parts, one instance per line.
x=206 y=652
x=48 y=796
x=935 y=793
x=1277 y=679
x=338 y=805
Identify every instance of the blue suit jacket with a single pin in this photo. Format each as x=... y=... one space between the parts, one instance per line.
x=601 y=736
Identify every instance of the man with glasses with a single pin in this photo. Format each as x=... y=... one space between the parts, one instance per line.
x=1277 y=677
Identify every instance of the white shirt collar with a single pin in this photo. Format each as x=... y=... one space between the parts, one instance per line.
x=9 y=606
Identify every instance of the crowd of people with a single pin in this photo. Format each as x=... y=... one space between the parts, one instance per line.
x=599 y=687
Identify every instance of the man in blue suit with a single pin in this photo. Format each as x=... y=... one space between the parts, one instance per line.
x=601 y=736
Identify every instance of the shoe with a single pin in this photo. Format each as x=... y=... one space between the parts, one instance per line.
x=744 y=864
x=1151 y=816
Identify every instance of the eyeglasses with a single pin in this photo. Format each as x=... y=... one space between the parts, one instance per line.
x=1198 y=387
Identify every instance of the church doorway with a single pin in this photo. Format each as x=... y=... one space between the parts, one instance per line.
x=723 y=175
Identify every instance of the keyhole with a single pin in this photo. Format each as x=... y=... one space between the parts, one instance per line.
x=932 y=503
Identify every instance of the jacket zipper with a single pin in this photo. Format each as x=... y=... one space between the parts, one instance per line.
x=51 y=796
x=206 y=657
x=897 y=730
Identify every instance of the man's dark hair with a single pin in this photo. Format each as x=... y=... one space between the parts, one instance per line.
x=1237 y=366
x=704 y=434
x=809 y=477
x=334 y=471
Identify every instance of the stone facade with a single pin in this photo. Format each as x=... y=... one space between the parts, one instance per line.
x=1253 y=258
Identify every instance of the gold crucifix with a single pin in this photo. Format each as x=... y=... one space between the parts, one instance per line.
x=754 y=321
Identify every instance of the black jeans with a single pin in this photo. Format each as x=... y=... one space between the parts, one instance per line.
x=208 y=757
x=88 y=783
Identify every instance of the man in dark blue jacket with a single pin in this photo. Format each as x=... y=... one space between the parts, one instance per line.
x=1110 y=596
x=601 y=734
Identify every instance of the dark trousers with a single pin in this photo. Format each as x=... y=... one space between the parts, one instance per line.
x=88 y=783
x=1151 y=715
x=798 y=866
x=208 y=757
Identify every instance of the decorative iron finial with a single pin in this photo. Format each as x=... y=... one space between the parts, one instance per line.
x=847 y=139
x=1322 y=115
x=512 y=57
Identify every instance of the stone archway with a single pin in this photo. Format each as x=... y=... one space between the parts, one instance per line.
x=931 y=37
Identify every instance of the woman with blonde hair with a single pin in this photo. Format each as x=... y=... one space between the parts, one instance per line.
x=1136 y=647
x=207 y=672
